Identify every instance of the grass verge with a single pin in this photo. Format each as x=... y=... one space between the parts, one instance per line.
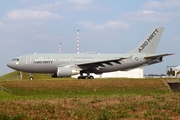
x=99 y=99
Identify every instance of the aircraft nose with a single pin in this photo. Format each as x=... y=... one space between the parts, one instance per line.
x=10 y=64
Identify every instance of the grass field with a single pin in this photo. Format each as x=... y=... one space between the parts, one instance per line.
x=98 y=99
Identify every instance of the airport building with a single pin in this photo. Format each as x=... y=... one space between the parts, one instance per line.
x=134 y=73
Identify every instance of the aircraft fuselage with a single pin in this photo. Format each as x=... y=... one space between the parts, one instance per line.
x=48 y=63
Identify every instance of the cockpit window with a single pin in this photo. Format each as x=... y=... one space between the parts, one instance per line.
x=15 y=59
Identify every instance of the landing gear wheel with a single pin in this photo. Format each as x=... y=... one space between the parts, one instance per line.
x=85 y=77
x=31 y=78
x=90 y=77
x=80 y=77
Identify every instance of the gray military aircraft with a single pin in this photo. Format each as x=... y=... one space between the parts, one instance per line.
x=66 y=65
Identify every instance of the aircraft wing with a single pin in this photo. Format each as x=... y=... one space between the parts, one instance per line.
x=157 y=56
x=100 y=63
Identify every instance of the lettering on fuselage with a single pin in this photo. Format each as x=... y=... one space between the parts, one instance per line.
x=43 y=62
x=143 y=46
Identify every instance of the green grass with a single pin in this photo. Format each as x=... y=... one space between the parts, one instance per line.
x=41 y=88
x=15 y=76
x=98 y=99
x=5 y=95
x=124 y=107
x=85 y=88
x=25 y=76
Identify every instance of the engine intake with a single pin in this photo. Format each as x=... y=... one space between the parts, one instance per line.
x=66 y=72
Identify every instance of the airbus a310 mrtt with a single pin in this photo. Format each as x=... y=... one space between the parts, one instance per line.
x=66 y=65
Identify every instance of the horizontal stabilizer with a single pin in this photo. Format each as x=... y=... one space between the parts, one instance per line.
x=157 y=56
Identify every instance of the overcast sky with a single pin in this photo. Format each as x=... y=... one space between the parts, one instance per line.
x=106 y=26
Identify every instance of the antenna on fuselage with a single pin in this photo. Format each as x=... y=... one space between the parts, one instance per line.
x=78 y=41
x=60 y=49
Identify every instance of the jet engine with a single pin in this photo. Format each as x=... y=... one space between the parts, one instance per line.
x=66 y=72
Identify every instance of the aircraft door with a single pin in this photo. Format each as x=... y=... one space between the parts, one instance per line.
x=28 y=59
x=71 y=61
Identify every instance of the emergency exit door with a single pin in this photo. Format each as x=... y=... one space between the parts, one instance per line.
x=28 y=59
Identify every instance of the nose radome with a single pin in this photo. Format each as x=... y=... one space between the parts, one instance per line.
x=12 y=65
x=9 y=64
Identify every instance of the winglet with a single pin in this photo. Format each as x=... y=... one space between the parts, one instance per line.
x=150 y=43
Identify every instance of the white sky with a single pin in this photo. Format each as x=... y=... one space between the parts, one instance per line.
x=106 y=26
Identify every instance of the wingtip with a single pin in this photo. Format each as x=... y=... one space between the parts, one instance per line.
x=171 y=54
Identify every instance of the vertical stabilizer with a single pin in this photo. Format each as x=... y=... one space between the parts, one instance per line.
x=150 y=43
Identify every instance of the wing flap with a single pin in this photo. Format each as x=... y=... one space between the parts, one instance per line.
x=100 y=63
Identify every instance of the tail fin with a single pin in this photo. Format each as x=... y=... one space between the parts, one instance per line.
x=150 y=43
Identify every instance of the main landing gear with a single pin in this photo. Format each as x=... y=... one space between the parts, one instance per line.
x=85 y=77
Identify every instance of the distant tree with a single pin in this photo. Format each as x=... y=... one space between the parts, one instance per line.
x=178 y=72
x=171 y=72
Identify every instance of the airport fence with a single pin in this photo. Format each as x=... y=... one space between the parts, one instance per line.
x=5 y=89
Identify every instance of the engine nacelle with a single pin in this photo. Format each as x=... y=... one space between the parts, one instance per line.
x=66 y=72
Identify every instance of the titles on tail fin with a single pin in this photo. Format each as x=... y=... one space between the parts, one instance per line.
x=150 y=43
